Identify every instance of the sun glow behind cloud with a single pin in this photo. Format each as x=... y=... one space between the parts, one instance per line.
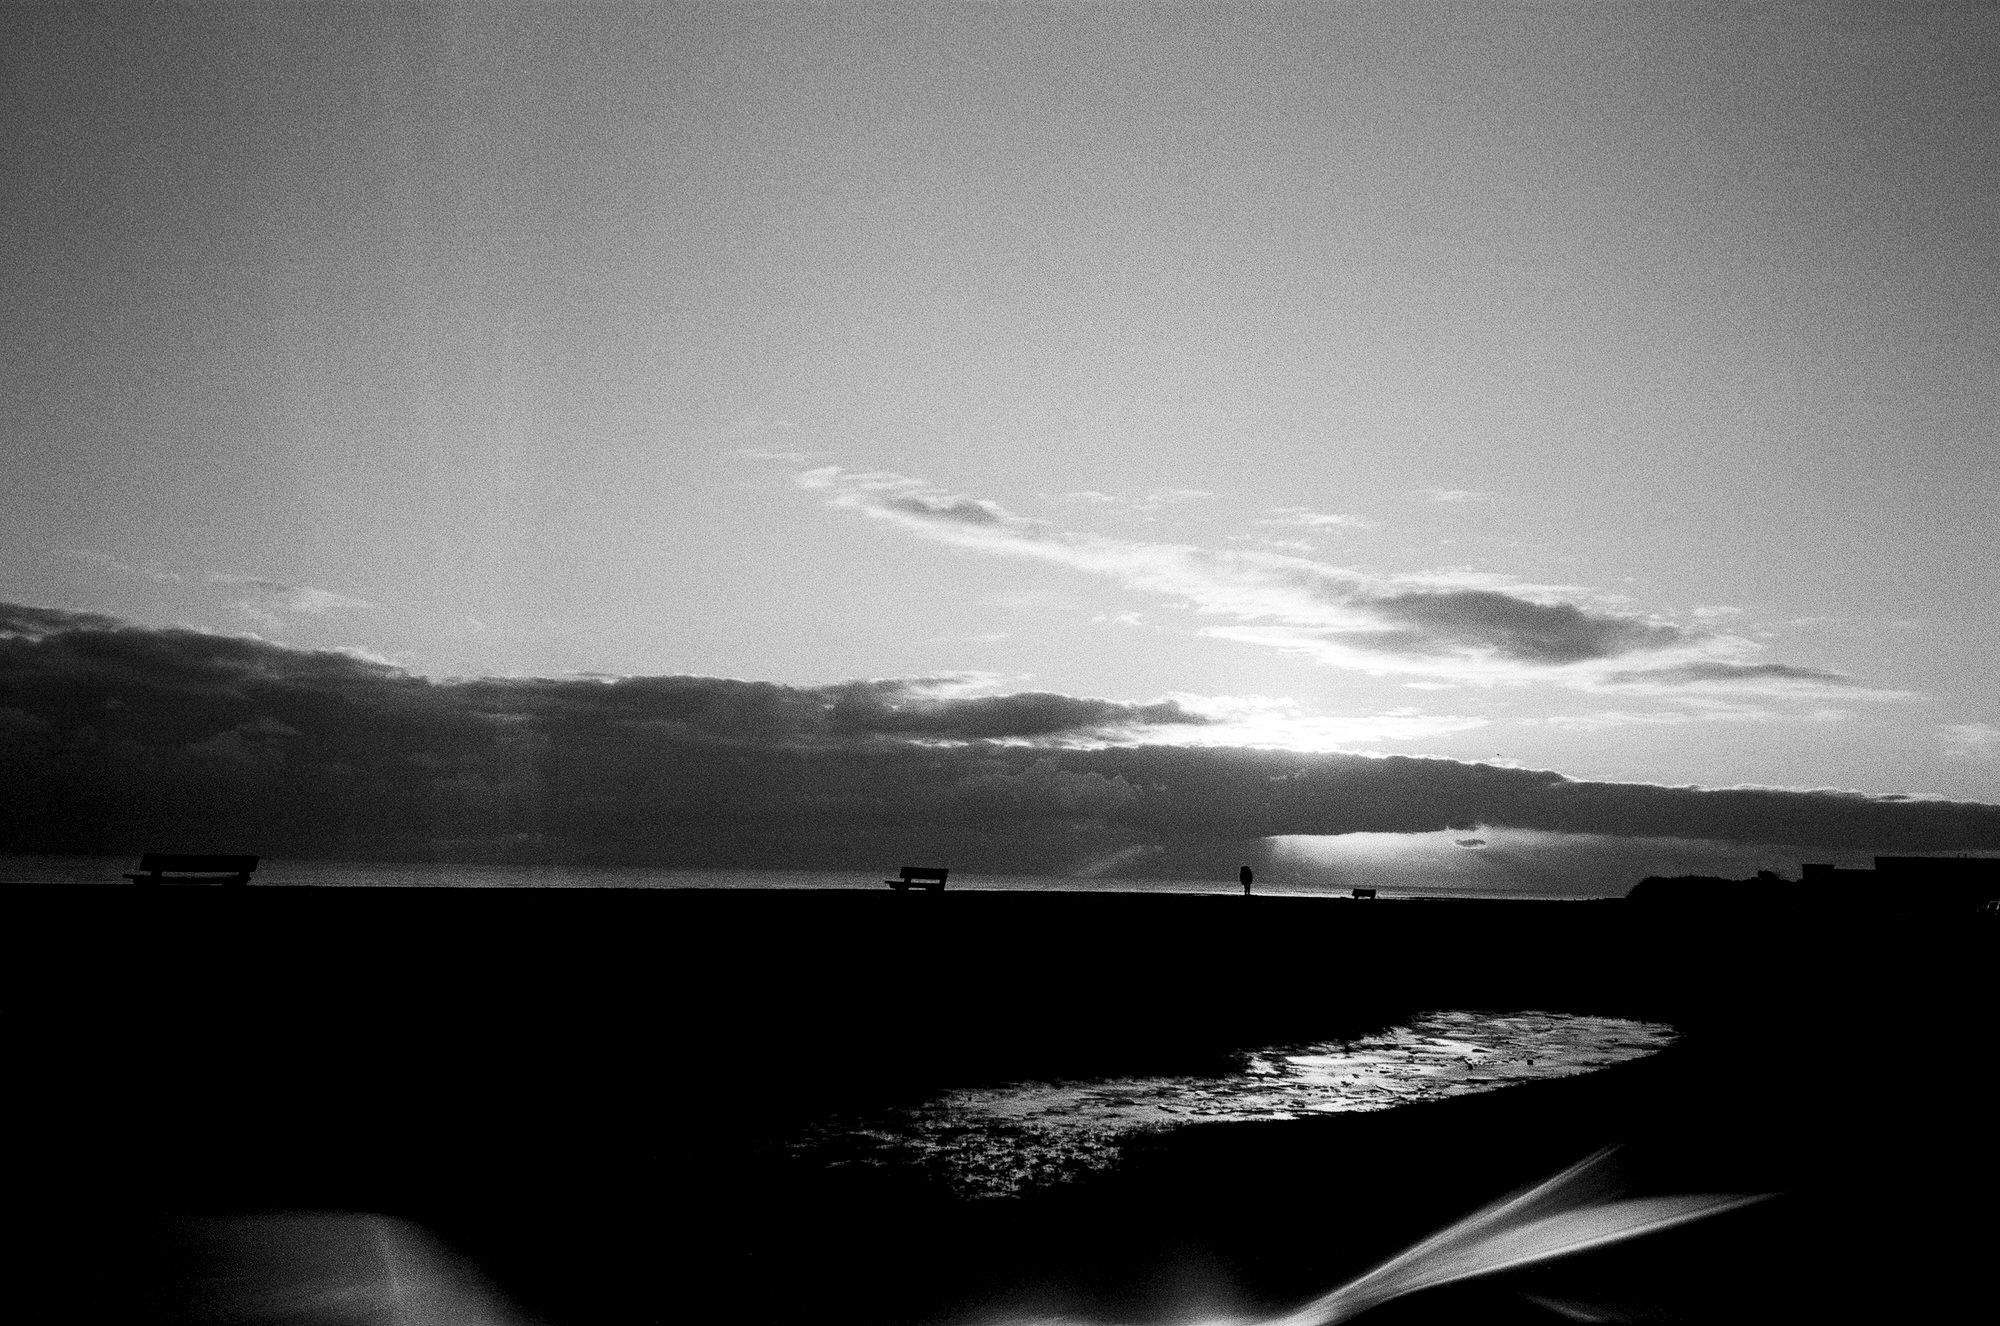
x=1495 y=861
x=1279 y=724
x=313 y=751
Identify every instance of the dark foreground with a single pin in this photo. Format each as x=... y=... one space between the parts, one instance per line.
x=582 y=1092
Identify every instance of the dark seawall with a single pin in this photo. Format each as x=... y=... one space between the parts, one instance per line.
x=584 y=1089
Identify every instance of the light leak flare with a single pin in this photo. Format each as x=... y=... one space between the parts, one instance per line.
x=335 y=1268
x=1566 y=1213
x=1570 y=1212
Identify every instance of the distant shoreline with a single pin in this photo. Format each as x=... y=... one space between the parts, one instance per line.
x=293 y=873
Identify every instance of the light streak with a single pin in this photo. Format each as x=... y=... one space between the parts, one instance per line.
x=1570 y=1212
x=1564 y=1214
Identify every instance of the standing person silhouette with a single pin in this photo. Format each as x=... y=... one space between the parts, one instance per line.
x=1244 y=875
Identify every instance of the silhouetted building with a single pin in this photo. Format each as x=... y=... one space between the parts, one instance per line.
x=1906 y=884
x=1818 y=875
x=1764 y=890
x=1896 y=884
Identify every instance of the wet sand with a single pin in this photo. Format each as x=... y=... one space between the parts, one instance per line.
x=1005 y=1141
x=589 y=1094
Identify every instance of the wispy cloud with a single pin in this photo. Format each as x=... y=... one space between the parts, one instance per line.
x=1774 y=679
x=1450 y=495
x=1275 y=545
x=110 y=562
x=1977 y=741
x=302 y=599
x=1459 y=625
x=1171 y=497
x=1611 y=718
x=1308 y=519
x=22 y=621
x=1153 y=500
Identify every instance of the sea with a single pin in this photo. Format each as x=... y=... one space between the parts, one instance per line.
x=437 y=874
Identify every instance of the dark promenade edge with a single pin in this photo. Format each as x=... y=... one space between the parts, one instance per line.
x=587 y=1092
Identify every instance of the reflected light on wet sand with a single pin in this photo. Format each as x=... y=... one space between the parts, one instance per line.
x=998 y=1141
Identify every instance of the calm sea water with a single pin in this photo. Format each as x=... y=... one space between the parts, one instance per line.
x=379 y=874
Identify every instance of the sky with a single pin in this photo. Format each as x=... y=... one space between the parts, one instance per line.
x=1593 y=392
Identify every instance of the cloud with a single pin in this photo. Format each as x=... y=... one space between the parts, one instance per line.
x=1453 y=625
x=912 y=501
x=1450 y=495
x=1730 y=672
x=1712 y=675
x=1300 y=516
x=121 y=739
x=1148 y=501
x=1275 y=545
x=1457 y=625
x=762 y=437
x=302 y=599
x=907 y=707
x=1978 y=741
x=1610 y=718
x=112 y=563
x=19 y=621
x=1514 y=627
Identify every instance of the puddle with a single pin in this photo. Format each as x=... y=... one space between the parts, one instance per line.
x=998 y=1141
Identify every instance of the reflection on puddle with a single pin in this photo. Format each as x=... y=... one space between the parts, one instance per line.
x=994 y=1141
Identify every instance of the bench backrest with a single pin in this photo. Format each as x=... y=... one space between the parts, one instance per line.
x=186 y=863
x=937 y=873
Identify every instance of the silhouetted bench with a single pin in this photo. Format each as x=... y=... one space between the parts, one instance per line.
x=185 y=868
x=1364 y=893
x=931 y=877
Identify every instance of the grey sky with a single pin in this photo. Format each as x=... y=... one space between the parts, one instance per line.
x=495 y=340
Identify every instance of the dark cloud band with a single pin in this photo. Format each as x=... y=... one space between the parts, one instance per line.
x=116 y=738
